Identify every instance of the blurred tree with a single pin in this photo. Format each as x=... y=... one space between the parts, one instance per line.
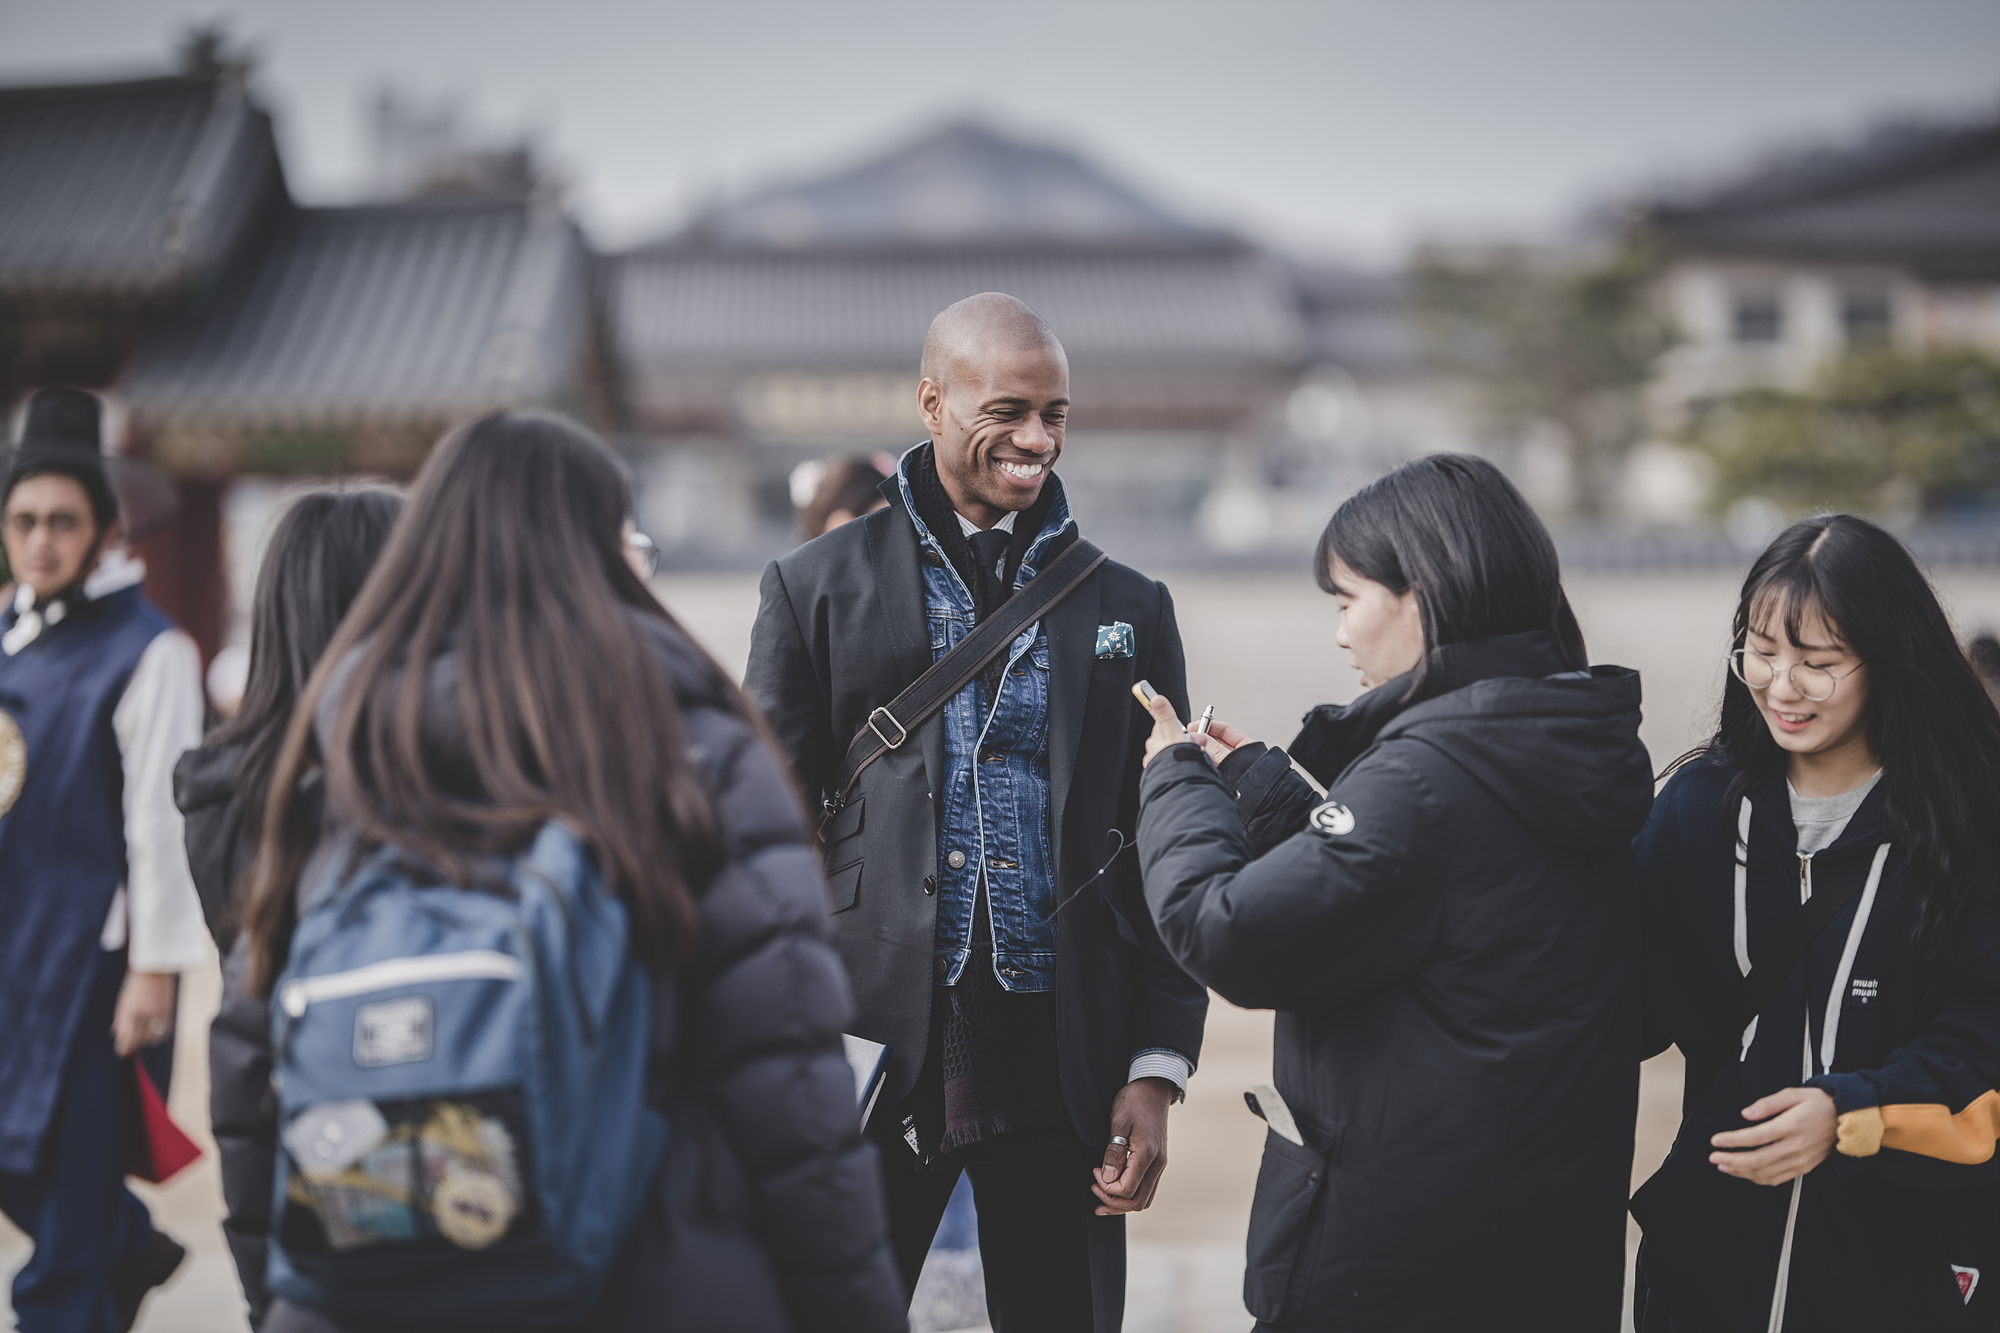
x=1877 y=430
x=1551 y=337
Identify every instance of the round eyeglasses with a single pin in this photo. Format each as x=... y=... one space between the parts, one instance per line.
x=645 y=553
x=1815 y=684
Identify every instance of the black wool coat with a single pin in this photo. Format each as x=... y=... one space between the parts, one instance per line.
x=840 y=631
x=1450 y=940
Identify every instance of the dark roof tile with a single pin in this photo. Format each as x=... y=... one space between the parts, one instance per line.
x=406 y=312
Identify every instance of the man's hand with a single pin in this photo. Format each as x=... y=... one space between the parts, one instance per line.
x=145 y=1012
x=1798 y=1132
x=1130 y=1174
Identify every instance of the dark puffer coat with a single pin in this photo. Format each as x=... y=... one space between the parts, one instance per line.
x=1450 y=940
x=767 y=1213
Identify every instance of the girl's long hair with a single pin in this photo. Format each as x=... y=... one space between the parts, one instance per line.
x=320 y=552
x=1930 y=722
x=1454 y=528
x=508 y=555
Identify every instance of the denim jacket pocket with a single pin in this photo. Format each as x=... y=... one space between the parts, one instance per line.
x=1284 y=1215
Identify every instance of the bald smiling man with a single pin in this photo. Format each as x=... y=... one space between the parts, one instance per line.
x=996 y=937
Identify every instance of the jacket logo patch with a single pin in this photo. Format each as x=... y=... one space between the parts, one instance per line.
x=1968 y=1279
x=1333 y=819
x=1863 y=991
x=394 y=1032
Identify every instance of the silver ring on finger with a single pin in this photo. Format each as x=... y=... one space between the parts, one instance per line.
x=1121 y=1141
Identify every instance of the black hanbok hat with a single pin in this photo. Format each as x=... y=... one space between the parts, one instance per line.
x=63 y=432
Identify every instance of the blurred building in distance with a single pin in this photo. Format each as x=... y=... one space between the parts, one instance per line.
x=786 y=324
x=149 y=247
x=1894 y=240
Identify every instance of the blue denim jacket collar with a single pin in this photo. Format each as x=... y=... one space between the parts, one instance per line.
x=995 y=806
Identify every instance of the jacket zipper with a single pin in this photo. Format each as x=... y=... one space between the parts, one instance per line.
x=467 y=965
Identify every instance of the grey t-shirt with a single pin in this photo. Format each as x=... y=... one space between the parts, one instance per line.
x=1822 y=819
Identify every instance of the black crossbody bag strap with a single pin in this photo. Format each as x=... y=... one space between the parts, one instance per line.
x=893 y=723
x=1835 y=885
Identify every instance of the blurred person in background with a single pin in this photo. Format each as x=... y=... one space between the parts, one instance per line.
x=320 y=552
x=849 y=488
x=99 y=694
x=1984 y=654
x=1037 y=1031
x=1835 y=1166
x=1448 y=936
x=552 y=683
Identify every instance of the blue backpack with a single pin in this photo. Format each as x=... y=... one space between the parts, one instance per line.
x=465 y=1137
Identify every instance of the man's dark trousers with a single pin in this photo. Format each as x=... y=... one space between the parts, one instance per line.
x=841 y=630
x=75 y=1207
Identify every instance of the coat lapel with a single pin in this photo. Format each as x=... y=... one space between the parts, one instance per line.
x=893 y=555
x=1072 y=631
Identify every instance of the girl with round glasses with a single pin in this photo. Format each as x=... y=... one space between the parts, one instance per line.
x=1835 y=1164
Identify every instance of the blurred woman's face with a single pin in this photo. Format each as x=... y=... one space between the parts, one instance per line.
x=1381 y=630
x=1784 y=676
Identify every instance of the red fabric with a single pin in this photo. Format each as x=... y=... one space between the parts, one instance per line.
x=160 y=1150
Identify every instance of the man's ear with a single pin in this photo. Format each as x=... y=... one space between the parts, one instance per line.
x=114 y=537
x=930 y=404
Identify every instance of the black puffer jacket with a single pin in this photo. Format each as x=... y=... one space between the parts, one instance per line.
x=767 y=1214
x=221 y=835
x=1450 y=940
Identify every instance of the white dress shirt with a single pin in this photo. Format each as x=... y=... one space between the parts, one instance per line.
x=156 y=914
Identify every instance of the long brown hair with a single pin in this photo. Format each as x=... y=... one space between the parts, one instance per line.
x=507 y=555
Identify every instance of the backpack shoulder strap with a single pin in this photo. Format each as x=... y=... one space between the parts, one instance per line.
x=892 y=724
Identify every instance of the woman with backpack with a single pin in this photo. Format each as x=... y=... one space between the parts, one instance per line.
x=1448 y=936
x=557 y=1032
x=320 y=551
x=1822 y=927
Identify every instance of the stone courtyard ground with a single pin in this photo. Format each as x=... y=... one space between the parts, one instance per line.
x=1261 y=649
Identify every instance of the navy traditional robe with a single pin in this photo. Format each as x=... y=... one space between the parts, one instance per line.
x=62 y=845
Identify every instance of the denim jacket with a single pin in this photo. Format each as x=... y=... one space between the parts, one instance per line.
x=996 y=796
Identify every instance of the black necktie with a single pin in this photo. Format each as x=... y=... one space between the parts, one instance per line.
x=989 y=554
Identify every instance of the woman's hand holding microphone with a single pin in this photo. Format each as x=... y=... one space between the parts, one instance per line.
x=1218 y=738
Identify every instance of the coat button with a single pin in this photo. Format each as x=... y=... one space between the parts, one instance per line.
x=938 y=968
x=930 y=883
x=956 y=860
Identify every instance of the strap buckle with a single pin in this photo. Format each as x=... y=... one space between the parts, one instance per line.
x=901 y=734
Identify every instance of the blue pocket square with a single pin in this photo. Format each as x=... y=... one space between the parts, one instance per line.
x=1114 y=640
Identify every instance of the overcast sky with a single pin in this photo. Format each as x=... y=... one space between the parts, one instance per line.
x=1342 y=126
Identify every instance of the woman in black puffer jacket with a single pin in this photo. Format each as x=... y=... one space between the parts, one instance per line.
x=1449 y=936
x=555 y=684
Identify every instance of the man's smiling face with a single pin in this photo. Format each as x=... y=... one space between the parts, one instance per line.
x=996 y=418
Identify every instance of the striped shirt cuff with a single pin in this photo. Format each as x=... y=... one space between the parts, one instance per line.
x=1162 y=1062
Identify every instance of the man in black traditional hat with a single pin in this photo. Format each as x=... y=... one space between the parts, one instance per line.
x=99 y=694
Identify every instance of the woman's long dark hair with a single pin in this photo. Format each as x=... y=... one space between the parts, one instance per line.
x=319 y=554
x=1454 y=528
x=1930 y=722
x=508 y=556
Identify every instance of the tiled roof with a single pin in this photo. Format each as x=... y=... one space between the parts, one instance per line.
x=964 y=184
x=673 y=309
x=132 y=188
x=1932 y=202
x=401 y=312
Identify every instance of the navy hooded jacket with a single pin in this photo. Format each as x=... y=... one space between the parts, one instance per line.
x=1900 y=1227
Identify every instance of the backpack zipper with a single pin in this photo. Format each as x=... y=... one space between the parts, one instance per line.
x=466 y=965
